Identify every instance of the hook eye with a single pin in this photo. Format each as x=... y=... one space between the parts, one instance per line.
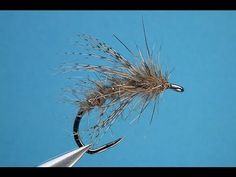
x=176 y=87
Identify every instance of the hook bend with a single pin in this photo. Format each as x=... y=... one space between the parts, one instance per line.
x=80 y=143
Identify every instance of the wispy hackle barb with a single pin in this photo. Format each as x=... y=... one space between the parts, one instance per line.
x=123 y=83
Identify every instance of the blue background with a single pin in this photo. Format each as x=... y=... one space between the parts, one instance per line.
x=194 y=128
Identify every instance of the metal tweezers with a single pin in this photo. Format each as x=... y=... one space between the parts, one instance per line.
x=68 y=159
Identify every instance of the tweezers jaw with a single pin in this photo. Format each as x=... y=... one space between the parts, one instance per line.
x=67 y=160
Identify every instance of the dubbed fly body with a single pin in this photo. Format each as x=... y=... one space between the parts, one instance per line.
x=120 y=85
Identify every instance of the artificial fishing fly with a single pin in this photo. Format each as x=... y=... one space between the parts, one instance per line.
x=118 y=86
